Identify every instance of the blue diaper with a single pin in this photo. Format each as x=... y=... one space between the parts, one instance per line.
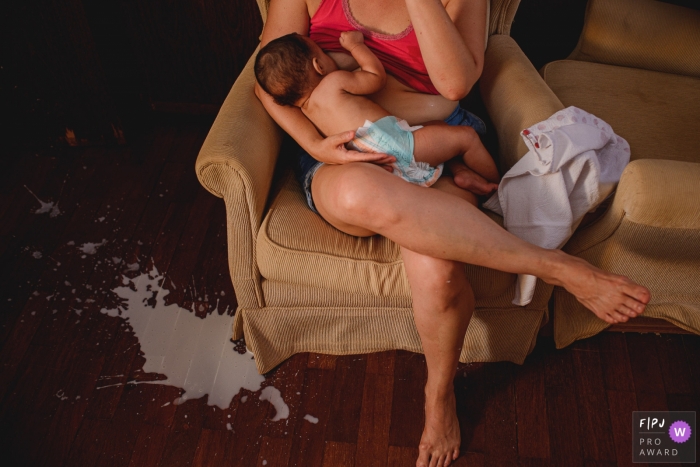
x=308 y=165
x=392 y=136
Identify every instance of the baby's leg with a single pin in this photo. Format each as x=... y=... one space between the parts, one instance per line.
x=435 y=144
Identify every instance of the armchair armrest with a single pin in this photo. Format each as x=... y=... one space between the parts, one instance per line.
x=650 y=234
x=236 y=163
x=645 y=34
x=515 y=96
x=654 y=194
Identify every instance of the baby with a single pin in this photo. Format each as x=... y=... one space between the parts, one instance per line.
x=296 y=72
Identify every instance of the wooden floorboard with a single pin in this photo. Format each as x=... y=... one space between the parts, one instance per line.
x=71 y=377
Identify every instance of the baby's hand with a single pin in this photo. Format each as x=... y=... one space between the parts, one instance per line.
x=351 y=39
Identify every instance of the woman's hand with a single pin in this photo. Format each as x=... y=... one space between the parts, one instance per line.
x=332 y=150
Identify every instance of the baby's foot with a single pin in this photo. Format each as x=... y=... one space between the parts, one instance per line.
x=466 y=178
x=439 y=444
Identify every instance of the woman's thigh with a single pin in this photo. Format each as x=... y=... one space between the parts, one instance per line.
x=437 y=283
x=358 y=198
x=355 y=197
x=352 y=196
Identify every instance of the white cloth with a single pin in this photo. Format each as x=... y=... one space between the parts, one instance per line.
x=574 y=162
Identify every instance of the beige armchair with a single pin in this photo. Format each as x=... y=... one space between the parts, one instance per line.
x=637 y=66
x=303 y=286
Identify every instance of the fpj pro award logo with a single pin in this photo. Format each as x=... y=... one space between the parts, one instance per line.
x=664 y=437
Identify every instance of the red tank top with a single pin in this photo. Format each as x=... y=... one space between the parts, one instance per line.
x=399 y=53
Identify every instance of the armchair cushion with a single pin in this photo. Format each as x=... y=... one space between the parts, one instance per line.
x=645 y=34
x=657 y=113
x=294 y=244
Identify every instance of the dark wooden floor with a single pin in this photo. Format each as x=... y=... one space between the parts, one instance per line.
x=570 y=407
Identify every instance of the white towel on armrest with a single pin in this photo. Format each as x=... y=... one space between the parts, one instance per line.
x=574 y=162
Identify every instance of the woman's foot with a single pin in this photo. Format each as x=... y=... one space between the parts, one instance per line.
x=439 y=444
x=466 y=178
x=612 y=298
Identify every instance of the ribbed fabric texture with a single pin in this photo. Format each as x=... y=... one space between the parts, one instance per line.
x=501 y=16
x=280 y=294
x=515 y=96
x=650 y=233
x=297 y=246
x=665 y=260
x=645 y=34
x=236 y=162
x=657 y=113
x=263 y=5
x=275 y=334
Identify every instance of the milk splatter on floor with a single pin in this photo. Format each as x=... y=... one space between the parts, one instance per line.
x=51 y=208
x=310 y=418
x=194 y=354
x=90 y=248
x=274 y=396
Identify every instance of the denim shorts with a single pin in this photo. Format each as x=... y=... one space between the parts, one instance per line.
x=308 y=166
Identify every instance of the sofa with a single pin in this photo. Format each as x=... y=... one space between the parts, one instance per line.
x=303 y=286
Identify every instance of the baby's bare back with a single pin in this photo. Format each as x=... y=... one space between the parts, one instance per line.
x=334 y=110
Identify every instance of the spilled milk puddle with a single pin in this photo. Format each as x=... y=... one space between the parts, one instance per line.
x=194 y=354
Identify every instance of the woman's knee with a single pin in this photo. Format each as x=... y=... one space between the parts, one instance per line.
x=442 y=283
x=450 y=283
x=356 y=194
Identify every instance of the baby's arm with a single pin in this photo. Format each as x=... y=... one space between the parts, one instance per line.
x=371 y=77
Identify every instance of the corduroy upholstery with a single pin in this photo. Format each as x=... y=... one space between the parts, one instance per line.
x=644 y=34
x=646 y=85
x=650 y=233
x=303 y=286
x=657 y=113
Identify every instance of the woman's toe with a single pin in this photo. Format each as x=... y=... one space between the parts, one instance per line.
x=638 y=292
x=633 y=305
x=423 y=457
x=619 y=317
x=628 y=311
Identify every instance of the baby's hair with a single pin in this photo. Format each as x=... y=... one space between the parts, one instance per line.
x=281 y=68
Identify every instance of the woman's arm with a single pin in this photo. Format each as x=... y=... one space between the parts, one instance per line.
x=451 y=40
x=284 y=17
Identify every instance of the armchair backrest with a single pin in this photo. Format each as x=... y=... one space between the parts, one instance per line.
x=646 y=34
x=498 y=19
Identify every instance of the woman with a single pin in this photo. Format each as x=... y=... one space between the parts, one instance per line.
x=438 y=229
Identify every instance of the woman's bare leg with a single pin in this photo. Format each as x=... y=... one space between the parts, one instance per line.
x=361 y=199
x=443 y=303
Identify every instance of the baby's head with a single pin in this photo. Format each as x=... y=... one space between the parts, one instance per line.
x=290 y=67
